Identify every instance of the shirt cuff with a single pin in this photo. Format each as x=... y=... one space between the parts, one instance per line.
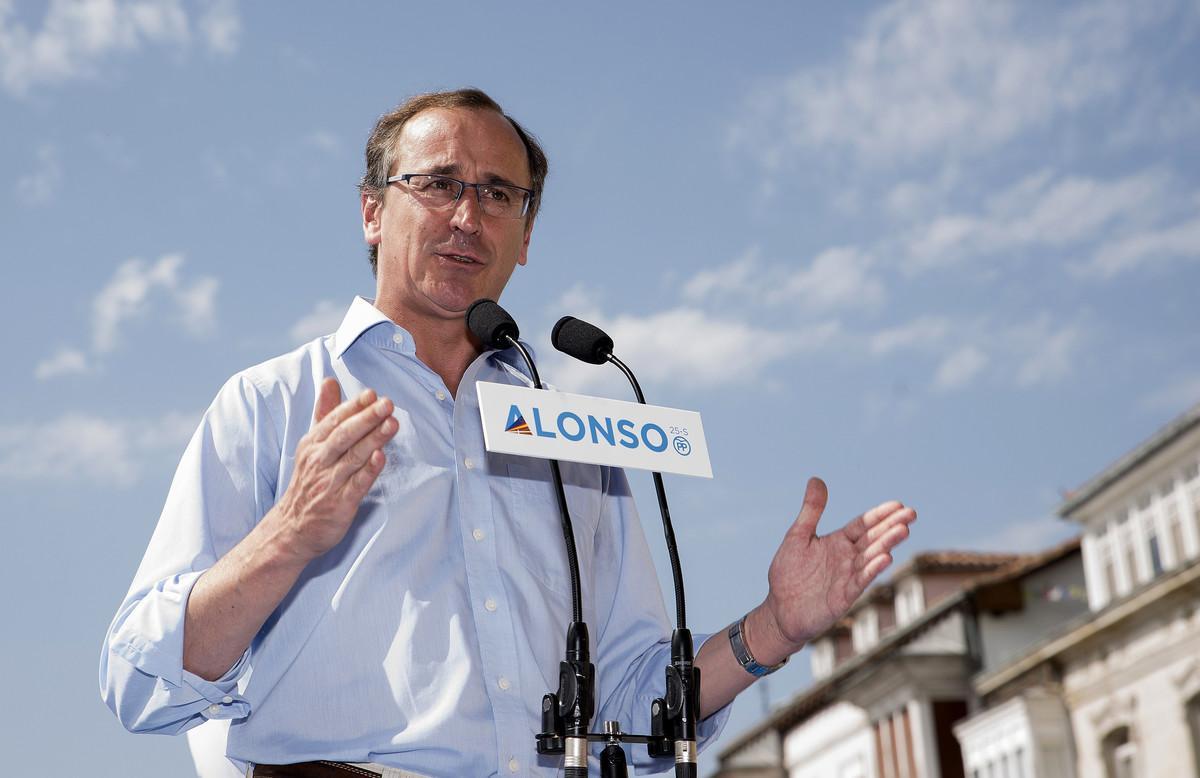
x=222 y=694
x=151 y=639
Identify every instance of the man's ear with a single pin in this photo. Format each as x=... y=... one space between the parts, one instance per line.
x=523 y=257
x=372 y=205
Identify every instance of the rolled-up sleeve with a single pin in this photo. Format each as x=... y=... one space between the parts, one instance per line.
x=633 y=644
x=224 y=484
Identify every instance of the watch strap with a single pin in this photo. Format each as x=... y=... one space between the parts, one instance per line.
x=737 y=641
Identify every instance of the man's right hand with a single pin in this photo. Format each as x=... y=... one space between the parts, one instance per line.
x=336 y=463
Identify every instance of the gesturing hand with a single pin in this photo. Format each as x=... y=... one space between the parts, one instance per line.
x=336 y=463
x=814 y=580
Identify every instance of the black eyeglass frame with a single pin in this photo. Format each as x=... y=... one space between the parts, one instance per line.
x=462 y=187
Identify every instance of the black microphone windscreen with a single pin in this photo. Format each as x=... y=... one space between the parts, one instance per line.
x=491 y=324
x=576 y=338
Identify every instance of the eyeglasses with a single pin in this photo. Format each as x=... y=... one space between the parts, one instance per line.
x=503 y=200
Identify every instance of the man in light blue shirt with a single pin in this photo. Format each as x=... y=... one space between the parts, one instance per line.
x=345 y=573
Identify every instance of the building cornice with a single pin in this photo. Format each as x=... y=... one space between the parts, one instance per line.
x=1173 y=431
x=1092 y=625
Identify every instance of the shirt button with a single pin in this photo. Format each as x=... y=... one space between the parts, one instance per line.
x=513 y=765
x=503 y=683
x=477 y=533
x=490 y=604
x=214 y=708
x=441 y=395
x=470 y=463
x=397 y=338
x=226 y=699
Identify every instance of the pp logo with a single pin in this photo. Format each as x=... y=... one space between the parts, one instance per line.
x=682 y=447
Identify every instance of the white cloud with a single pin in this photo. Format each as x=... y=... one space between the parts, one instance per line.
x=1035 y=351
x=39 y=185
x=76 y=445
x=130 y=292
x=959 y=368
x=685 y=347
x=1131 y=219
x=1177 y=241
x=1045 y=353
x=1025 y=536
x=220 y=26
x=1176 y=396
x=76 y=37
x=838 y=277
x=325 y=317
x=922 y=332
x=740 y=276
x=66 y=362
x=323 y=140
x=938 y=77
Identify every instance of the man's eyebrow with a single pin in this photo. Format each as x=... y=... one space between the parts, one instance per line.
x=453 y=169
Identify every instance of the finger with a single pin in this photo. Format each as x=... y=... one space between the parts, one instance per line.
x=860 y=525
x=359 y=482
x=880 y=512
x=352 y=430
x=327 y=398
x=902 y=516
x=886 y=543
x=324 y=428
x=872 y=569
x=358 y=454
x=815 y=496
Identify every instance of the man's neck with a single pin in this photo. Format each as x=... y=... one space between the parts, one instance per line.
x=443 y=345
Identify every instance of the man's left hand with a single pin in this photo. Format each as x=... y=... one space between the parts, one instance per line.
x=814 y=580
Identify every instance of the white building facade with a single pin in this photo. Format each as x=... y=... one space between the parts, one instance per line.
x=1117 y=692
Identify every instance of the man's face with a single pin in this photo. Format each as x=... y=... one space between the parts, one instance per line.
x=436 y=262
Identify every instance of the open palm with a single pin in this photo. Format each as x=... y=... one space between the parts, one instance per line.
x=814 y=580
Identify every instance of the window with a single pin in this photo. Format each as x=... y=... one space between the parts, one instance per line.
x=1108 y=565
x=909 y=601
x=822 y=658
x=1131 y=565
x=1175 y=530
x=1156 y=565
x=1196 y=506
x=1120 y=754
x=1193 y=720
x=865 y=632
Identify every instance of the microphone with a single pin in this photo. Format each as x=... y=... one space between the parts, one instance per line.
x=494 y=327
x=674 y=719
x=577 y=338
x=565 y=713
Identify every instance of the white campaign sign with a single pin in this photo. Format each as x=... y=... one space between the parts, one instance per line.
x=577 y=428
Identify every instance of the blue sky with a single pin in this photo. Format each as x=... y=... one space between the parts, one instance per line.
x=943 y=251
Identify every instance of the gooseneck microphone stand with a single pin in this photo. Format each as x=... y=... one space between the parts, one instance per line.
x=673 y=718
x=567 y=711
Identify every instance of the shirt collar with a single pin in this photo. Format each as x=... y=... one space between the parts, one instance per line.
x=362 y=316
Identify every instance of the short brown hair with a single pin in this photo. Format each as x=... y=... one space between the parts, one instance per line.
x=381 y=146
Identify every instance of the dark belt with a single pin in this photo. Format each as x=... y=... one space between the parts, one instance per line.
x=319 y=769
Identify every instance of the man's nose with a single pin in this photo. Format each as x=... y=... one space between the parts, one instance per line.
x=467 y=211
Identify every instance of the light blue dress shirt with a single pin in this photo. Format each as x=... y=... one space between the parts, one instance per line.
x=427 y=637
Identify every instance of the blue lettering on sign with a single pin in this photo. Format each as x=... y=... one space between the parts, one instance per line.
x=562 y=417
x=624 y=432
x=662 y=437
x=537 y=425
x=603 y=430
x=628 y=439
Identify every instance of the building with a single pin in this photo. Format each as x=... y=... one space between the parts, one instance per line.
x=893 y=678
x=1116 y=692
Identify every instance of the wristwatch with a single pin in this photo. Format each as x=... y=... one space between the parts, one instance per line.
x=738 y=643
